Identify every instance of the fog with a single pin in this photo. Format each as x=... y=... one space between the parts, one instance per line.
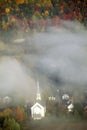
x=57 y=58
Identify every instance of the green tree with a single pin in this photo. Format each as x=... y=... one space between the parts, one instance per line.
x=5 y=122
x=11 y=124
x=16 y=127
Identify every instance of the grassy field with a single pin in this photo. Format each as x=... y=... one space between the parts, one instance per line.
x=54 y=123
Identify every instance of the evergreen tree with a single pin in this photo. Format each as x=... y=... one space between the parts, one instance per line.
x=5 y=122
x=16 y=127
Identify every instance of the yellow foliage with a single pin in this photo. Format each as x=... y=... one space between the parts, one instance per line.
x=1 y=114
x=7 y=112
x=7 y=10
x=46 y=12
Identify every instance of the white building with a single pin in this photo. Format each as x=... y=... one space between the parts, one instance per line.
x=70 y=107
x=6 y=100
x=38 y=110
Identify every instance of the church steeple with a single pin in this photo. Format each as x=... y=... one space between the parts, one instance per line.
x=38 y=96
x=38 y=110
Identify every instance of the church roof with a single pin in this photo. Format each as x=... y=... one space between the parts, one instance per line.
x=37 y=104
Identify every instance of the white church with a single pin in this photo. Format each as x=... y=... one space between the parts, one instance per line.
x=38 y=110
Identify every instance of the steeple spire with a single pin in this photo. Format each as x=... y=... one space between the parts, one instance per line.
x=38 y=96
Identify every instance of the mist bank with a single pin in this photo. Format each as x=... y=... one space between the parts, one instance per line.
x=57 y=58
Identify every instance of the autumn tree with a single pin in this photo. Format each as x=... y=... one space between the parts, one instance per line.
x=7 y=112
x=20 y=116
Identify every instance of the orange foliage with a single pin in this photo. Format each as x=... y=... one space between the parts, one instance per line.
x=7 y=112
x=20 y=114
x=19 y=1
